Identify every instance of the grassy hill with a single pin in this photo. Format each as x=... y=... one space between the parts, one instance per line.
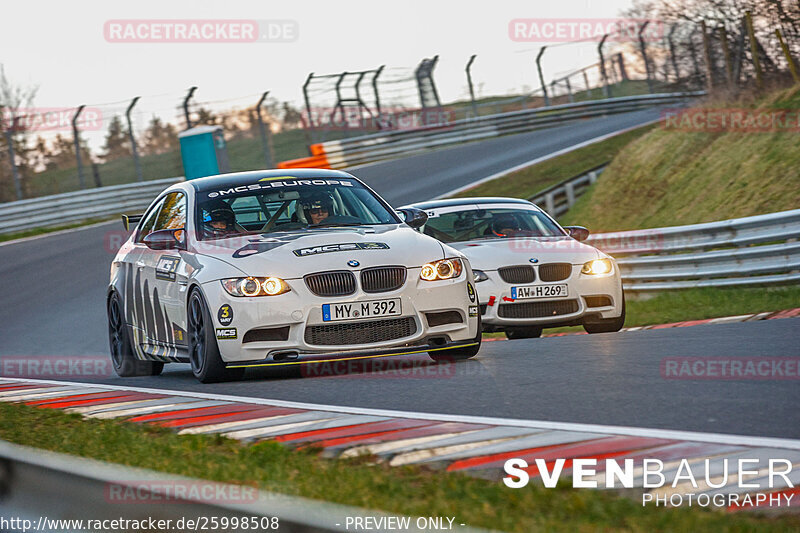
x=670 y=177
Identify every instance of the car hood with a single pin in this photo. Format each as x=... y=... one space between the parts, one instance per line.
x=295 y=254
x=491 y=254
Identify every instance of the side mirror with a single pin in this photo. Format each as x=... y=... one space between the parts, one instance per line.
x=579 y=233
x=414 y=217
x=166 y=239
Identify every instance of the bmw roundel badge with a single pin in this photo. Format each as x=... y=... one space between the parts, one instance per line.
x=533 y=260
x=353 y=263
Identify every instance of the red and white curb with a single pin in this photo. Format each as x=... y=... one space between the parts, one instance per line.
x=769 y=315
x=470 y=444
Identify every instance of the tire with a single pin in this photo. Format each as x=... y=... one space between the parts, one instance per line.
x=523 y=332
x=204 y=357
x=458 y=354
x=608 y=325
x=123 y=358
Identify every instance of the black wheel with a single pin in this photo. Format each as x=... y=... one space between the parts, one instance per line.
x=608 y=325
x=457 y=354
x=123 y=358
x=207 y=365
x=523 y=332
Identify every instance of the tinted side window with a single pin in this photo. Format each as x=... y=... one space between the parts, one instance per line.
x=173 y=212
x=146 y=227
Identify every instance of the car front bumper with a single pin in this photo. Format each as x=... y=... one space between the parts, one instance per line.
x=499 y=309
x=292 y=315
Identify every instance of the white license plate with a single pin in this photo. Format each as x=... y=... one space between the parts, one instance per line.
x=352 y=310
x=540 y=291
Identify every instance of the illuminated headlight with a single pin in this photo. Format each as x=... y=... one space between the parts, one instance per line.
x=255 y=286
x=479 y=275
x=443 y=269
x=597 y=266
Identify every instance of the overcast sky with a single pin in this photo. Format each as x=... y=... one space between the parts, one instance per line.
x=60 y=46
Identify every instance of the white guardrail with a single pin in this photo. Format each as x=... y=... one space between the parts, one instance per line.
x=45 y=488
x=70 y=207
x=375 y=147
x=757 y=250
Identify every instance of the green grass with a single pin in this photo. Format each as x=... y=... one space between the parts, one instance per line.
x=697 y=304
x=408 y=490
x=527 y=182
x=669 y=177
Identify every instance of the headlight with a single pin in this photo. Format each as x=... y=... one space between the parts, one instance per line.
x=442 y=269
x=255 y=286
x=597 y=266
x=479 y=275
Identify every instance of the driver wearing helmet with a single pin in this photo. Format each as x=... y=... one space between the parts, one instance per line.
x=505 y=225
x=317 y=207
x=219 y=220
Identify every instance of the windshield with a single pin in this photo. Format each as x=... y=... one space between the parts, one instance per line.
x=273 y=205
x=498 y=223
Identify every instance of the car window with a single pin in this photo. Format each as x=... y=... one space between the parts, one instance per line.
x=471 y=224
x=173 y=212
x=149 y=220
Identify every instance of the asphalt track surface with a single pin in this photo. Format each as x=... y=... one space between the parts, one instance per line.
x=52 y=304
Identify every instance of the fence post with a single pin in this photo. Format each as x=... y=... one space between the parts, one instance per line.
x=588 y=87
x=377 y=96
x=789 y=58
x=134 y=150
x=266 y=145
x=643 y=48
x=77 y=140
x=603 y=73
x=308 y=107
x=592 y=177
x=549 y=203
x=186 y=107
x=726 y=52
x=754 y=49
x=471 y=89
x=621 y=65
x=673 y=58
x=12 y=158
x=569 y=90
x=541 y=76
x=707 y=54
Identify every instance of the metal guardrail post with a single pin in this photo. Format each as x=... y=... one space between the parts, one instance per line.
x=77 y=141
x=134 y=150
x=569 y=189
x=186 y=113
x=541 y=76
x=592 y=177
x=569 y=90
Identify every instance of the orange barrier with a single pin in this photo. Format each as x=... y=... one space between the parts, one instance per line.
x=315 y=161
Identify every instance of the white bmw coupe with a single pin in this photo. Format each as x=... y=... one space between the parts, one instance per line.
x=283 y=267
x=530 y=272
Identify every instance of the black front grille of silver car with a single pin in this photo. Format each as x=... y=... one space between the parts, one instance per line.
x=383 y=279
x=336 y=283
x=517 y=274
x=537 y=309
x=554 y=271
x=360 y=332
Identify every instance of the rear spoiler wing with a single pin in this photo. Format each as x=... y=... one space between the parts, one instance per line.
x=127 y=220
